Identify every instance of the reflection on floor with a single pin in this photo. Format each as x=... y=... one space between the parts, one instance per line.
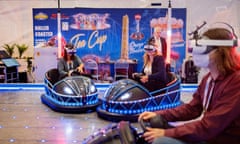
x=25 y=120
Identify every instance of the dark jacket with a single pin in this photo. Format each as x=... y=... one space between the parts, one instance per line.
x=158 y=78
x=220 y=123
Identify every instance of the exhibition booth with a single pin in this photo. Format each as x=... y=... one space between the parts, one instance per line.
x=106 y=36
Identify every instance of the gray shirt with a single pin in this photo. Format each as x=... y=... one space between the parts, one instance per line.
x=64 y=67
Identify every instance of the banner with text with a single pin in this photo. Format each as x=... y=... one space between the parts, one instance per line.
x=107 y=34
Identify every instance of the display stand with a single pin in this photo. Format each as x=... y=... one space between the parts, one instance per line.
x=45 y=58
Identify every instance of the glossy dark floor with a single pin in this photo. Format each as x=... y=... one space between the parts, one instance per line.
x=25 y=120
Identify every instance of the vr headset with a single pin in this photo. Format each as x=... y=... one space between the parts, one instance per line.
x=70 y=51
x=149 y=48
x=206 y=45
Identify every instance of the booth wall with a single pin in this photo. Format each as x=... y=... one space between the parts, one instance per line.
x=16 y=25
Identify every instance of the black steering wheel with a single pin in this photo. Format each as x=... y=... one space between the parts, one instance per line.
x=155 y=122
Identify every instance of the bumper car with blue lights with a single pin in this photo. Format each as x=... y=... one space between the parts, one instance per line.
x=70 y=95
x=125 y=133
x=126 y=99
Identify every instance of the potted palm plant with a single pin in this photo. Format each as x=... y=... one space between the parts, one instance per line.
x=9 y=48
x=22 y=48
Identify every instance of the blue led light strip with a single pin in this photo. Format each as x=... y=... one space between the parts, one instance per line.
x=99 y=86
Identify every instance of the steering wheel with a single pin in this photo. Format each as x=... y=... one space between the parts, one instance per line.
x=155 y=122
x=75 y=72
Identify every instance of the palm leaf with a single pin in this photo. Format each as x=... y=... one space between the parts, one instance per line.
x=9 y=48
x=21 y=49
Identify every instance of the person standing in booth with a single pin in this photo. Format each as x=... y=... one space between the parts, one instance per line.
x=70 y=63
x=213 y=115
x=153 y=75
x=159 y=41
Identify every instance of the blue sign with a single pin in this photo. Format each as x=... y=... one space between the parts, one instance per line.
x=108 y=34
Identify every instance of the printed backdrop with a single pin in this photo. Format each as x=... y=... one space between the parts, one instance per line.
x=109 y=34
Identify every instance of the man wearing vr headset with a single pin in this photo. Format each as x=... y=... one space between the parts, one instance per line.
x=70 y=63
x=214 y=108
x=153 y=75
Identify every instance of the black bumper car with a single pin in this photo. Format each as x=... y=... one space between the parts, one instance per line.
x=125 y=133
x=126 y=99
x=74 y=94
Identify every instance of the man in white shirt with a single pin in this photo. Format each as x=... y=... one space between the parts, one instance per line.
x=160 y=41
